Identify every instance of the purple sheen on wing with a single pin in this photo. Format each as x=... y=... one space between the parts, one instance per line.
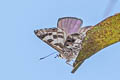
x=66 y=23
x=76 y=27
x=70 y=25
x=63 y=22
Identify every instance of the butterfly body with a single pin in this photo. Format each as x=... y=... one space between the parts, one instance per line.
x=66 y=38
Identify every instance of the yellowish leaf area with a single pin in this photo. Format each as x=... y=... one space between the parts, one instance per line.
x=100 y=36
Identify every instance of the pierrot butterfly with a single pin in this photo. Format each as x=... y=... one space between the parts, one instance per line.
x=66 y=38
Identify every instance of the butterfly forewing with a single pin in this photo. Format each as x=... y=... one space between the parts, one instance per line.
x=54 y=37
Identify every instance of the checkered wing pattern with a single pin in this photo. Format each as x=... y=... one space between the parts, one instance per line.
x=54 y=37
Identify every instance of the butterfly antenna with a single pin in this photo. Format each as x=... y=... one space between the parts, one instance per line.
x=47 y=55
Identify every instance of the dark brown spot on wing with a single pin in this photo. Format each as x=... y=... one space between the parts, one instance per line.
x=54 y=30
x=59 y=44
x=75 y=34
x=50 y=34
x=60 y=36
x=49 y=40
x=43 y=36
x=70 y=40
x=66 y=44
x=55 y=36
x=35 y=31
x=60 y=32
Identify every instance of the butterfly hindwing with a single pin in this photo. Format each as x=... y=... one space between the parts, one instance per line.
x=69 y=24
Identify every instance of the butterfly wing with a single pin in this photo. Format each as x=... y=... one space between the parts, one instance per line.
x=54 y=37
x=69 y=24
x=74 y=41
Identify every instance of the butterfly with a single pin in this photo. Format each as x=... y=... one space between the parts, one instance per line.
x=66 y=38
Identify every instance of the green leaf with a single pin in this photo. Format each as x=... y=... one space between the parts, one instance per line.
x=100 y=36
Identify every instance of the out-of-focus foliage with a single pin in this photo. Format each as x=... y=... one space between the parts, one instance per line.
x=110 y=7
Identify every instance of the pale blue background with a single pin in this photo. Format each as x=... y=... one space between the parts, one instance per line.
x=20 y=49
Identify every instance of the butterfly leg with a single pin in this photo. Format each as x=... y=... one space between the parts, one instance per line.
x=56 y=56
x=67 y=62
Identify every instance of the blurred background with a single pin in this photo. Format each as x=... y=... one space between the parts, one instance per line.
x=20 y=49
